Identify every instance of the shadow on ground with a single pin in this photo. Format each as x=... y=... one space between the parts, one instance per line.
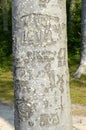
x=6 y=117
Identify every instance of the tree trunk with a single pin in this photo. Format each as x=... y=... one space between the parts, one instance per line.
x=71 y=14
x=5 y=16
x=82 y=68
x=42 y=100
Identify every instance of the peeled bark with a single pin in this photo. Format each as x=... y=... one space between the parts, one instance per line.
x=41 y=82
x=82 y=68
x=5 y=15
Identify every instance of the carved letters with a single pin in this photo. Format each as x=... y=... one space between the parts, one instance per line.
x=62 y=57
x=24 y=110
x=43 y=3
x=45 y=30
x=40 y=56
x=60 y=82
x=39 y=32
x=50 y=120
x=51 y=76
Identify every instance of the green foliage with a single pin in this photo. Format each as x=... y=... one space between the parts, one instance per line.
x=74 y=33
x=5 y=38
x=74 y=27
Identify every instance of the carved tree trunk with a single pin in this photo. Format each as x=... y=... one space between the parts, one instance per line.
x=82 y=68
x=5 y=16
x=42 y=100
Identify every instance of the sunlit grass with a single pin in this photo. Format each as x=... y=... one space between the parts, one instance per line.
x=78 y=94
x=6 y=86
x=77 y=86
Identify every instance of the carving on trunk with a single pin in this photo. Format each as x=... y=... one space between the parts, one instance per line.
x=25 y=110
x=62 y=57
x=51 y=76
x=49 y=120
x=60 y=82
x=40 y=56
x=43 y=3
x=45 y=30
x=39 y=69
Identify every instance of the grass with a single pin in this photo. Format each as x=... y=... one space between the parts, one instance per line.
x=78 y=92
x=77 y=86
x=6 y=86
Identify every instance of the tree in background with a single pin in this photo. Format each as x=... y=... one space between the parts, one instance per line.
x=71 y=8
x=82 y=68
x=74 y=27
x=5 y=15
x=5 y=36
x=42 y=98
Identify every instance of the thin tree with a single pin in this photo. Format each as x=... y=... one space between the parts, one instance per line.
x=5 y=15
x=82 y=68
x=41 y=82
x=70 y=8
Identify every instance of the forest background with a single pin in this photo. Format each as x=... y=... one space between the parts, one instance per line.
x=77 y=86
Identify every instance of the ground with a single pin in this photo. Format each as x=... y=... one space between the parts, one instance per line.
x=7 y=119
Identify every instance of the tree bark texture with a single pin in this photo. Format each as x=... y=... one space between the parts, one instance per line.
x=42 y=100
x=5 y=15
x=82 y=68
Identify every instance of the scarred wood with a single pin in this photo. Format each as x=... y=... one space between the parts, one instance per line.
x=42 y=99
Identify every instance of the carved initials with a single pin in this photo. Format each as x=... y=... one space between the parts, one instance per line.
x=60 y=82
x=43 y=2
x=62 y=57
x=51 y=119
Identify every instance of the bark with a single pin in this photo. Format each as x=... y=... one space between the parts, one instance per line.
x=82 y=68
x=5 y=16
x=41 y=82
